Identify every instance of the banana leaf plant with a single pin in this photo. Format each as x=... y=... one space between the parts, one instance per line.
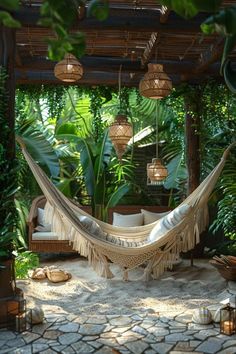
x=104 y=187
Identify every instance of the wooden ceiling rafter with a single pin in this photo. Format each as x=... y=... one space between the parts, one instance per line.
x=129 y=37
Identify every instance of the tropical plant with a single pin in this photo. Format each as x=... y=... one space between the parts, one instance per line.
x=104 y=187
x=8 y=179
x=25 y=261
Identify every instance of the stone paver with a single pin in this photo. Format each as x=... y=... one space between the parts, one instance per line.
x=137 y=333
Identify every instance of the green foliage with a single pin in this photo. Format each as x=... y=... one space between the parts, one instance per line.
x=190 y=8
x=5 y=17
x=8 y=178
x=25 y=261
x=99 y=9
x=104 y=187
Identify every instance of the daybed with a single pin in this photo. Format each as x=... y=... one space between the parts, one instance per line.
x=47 y=241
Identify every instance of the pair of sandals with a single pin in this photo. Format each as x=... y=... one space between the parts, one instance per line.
x=54 y=274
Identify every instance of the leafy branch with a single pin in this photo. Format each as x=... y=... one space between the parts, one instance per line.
x=222 y=22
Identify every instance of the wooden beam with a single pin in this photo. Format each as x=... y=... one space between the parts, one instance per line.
x=122 y=19
x=210 y=56
x=150 y=47
x=164 y=14
x=112 y=64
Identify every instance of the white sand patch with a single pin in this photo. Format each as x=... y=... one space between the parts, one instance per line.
x=184 y=288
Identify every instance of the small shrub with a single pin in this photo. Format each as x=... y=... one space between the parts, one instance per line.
x=24 y=262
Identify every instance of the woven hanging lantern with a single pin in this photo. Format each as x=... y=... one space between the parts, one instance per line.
x=120 y=133
x=156 y=172
x=155 y=83
x=69 y=69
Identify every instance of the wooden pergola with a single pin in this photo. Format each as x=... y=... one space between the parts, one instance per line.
x=134 y=34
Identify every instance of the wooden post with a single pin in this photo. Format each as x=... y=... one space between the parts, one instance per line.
x=192 y=136
x=7 y=60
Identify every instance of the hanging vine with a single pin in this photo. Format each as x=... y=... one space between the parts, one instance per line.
x=8 y=177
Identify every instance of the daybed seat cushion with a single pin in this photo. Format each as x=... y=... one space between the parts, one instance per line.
x=150 y=217
x=127 y=220
x=44 y=236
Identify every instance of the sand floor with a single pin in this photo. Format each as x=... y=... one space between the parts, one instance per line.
x=176 y=291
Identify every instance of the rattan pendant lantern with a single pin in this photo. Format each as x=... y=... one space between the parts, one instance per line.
x=156 y=171
x=156 y=83
x=69 y=69
x=121 y=131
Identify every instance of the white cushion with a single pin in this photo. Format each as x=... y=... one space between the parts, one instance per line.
x=40 y=215
x=41 y=220
x=41 y=228
x=40 y=236
x=168 y=222
x=91 y=225
x=127 y=220
x=149 y=216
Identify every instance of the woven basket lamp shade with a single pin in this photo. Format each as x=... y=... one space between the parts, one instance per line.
x=156 y=172
x=155 y=83
x=120 y=133
x=69 y=69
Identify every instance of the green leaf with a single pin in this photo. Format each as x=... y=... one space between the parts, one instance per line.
x=207 y=5
x=10 y=4
x=103 y=156
x=117 y=195
x=7 y=20
x=176 y=172
x=228 y=47
x=41 y=150
x=223 y=23
x=229 y=76
x=66 y=128
x=98 y=9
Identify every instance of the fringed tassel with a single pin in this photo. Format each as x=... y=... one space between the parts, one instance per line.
x=106 y=272
x=125 y=274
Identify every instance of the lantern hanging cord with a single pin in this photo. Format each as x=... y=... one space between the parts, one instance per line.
x=119 y=85
x=156 y=130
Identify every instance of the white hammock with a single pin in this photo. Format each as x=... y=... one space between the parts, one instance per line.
x=128 y=247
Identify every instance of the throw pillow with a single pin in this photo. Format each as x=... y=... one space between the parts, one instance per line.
x=150 y=217
x=40 y=214
x=127 y=220
x=91 y=225
x=168 y=222
x=42 y=226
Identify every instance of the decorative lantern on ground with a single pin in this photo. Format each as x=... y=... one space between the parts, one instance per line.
x=121 y=131
x=228 y=320
x=156 y=171
x=69 y=69
x=156 y=83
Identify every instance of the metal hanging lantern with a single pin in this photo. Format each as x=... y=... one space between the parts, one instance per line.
x=69 y=69
x=156 y=83
x=228 y=320
x=120 y=133
x=156 y=172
